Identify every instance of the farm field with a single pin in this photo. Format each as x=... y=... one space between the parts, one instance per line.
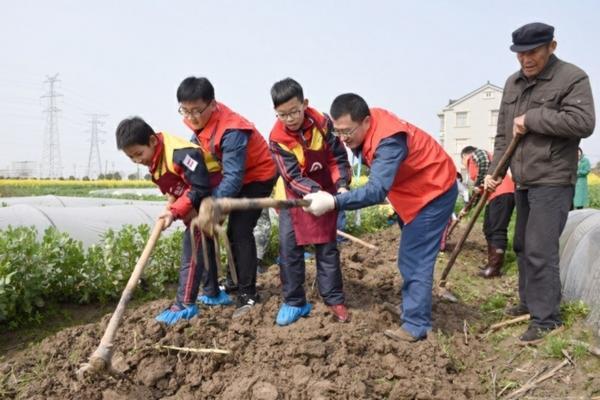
x=59 y=187
x=317 y=358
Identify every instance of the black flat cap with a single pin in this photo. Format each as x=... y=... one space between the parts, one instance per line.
x=530 y=36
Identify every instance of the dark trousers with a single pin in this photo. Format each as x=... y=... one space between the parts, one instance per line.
x=211 y=273
x=292 y=268
x=191 y=272
x=496 y=219
x=240 y=228
x=541 y=216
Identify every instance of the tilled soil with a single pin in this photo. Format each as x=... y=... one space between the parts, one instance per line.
x=315 y=358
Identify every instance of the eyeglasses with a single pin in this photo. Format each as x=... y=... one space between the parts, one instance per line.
x=345 y=132
x=194 y=112
x=292 y=114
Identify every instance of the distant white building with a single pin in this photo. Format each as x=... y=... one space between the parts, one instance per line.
x=470 y=121
x=23 y=169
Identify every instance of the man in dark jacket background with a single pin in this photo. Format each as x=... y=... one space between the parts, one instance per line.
x=549 y=102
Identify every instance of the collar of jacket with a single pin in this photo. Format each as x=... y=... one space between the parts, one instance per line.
x=157 y=157
x=546 y=74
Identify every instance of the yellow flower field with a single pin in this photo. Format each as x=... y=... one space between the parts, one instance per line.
x=59 y=187
x=593 y=179
x=62 y=183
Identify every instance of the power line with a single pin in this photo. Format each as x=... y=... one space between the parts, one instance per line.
x=94 y=167
x=51 y=160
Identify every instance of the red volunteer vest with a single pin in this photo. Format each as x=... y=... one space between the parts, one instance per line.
x=507 y=185
x=424 y=175
x=259 y=164
x=309 y=229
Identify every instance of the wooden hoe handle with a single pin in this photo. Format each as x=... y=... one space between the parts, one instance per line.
x=101 y=358
x=499 y=171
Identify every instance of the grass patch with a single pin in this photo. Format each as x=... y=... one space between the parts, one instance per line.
x=579 y=351
x=554 y=346
x=573 y=311
x=465 y=288
x=495 y=304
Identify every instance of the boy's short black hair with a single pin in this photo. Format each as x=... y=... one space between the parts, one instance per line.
x=467 y=150
x=132 y=131
x=350 y=103
x=192 y=89
x=285 y=90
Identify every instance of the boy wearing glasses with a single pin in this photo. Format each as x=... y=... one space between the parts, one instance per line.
x=240 y=165
x=419 y=179
x=309 y=159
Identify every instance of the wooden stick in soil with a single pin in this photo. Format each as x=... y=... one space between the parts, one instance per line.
x=100 y=360
x=531 y=385
x=499 y=171
x=503 y=324
x=513 y=321
x=192 y=350
x=501 y=392
x=493 y=375
x=357 y=240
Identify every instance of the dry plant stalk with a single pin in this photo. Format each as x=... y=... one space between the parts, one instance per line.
x=193 y=350
x=506 y=323
x=531 y=384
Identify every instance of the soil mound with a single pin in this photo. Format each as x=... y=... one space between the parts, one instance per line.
x=315 y=358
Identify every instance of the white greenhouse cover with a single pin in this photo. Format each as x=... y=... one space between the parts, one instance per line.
x=580 y=261
x=119 y=191
x=84 y=219
x=68 y=201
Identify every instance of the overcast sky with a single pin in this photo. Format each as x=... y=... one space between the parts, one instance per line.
x=124 y=58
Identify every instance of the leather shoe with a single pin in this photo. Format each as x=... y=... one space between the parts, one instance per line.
x=401 y=335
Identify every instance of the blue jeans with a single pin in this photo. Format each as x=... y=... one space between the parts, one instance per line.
x=419 y=247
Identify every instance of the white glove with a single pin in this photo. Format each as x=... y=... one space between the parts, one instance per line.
x=320 y=203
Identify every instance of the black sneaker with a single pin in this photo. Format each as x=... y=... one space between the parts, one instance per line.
x=515 y=311
x=534 y=334
x=227 y=285
x=245 y=303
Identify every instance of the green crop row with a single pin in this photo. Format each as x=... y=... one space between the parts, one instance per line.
x=34 y=273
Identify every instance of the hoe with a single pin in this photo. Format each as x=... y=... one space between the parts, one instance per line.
x=498 y=172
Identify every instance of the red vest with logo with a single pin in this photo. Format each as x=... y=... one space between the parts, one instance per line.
x=425 y=174
x=259 y=164
x=165 y=173
x=312 y=155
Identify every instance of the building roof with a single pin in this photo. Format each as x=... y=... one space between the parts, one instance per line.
x=488 y=85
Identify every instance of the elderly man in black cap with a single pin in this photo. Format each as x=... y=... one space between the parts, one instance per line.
x=549 y=102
